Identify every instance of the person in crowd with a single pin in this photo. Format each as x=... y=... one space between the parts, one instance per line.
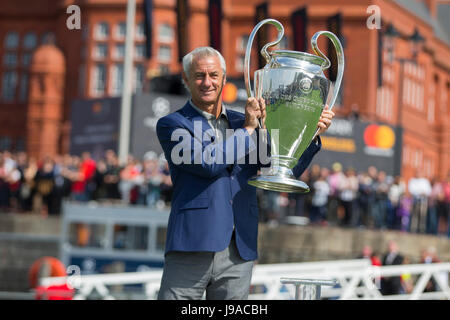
x=348 y=191
x=406 y=279
x=4 y=188
x=420 y=189
x=58 y=188
x=432 y=217
x=381 y=189
x=150 y=191
x=404 y=211
x=130 y=178
x=112 y=175
x=445 y=221
x=45 y=183
x=334 y=181
x=364 y=194
x=391 y=285
x=99 y=180
x=166 y=185
x=319 y=200
x=429 y=255
x=396 y=191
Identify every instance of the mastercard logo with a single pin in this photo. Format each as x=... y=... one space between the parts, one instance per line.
x=229 y=93
x=379 y=136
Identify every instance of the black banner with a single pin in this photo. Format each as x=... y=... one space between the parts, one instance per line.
x=148 y=23
x=95 y=126
x=182 y=25
x=262 y=12
x=215 y=24
x=334 y=24
x=380 y=58
x=299 y=20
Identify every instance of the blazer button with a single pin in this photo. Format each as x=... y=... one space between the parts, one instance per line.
x=231 y=201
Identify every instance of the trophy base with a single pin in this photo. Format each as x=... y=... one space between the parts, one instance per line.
x=278 y=183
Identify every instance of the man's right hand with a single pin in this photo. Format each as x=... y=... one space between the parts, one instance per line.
x=254 y=109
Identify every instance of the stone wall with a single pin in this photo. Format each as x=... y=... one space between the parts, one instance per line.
x=289 y=243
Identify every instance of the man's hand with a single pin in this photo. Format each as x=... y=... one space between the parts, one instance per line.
x=254 y=109
x=325 y=120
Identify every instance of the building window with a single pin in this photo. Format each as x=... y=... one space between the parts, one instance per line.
x=101 y=31
x=164 y=53
x=165 y=33
x=139 y=51
x=10 y=59
x=101 y=51
x=242 y=43
x=120 y=30
x=140 y=30
x=48 y=37
x=116 y=79
x=119 y=51
x=29 y=41
x=240 y=63
x=5 y=143
x=23 y=88
x=99 y=80
x=9 y=83
x=26 y=59
x=12 y=40
x=138 y=77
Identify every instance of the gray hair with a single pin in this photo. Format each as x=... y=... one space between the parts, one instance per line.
x=201 y=52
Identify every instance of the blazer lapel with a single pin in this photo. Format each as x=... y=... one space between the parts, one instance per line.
x=192 y=115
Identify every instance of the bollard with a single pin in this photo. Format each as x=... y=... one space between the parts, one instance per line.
x=308 y=289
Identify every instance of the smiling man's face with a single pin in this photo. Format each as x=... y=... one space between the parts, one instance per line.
x=205 y=81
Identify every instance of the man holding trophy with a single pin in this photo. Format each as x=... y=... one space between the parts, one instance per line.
x=212 y=232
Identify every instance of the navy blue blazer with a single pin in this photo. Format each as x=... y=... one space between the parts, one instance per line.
x=211 y=198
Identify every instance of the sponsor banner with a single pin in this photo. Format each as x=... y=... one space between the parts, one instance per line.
x=147 y=109
x=95 y=126
x=360 y=144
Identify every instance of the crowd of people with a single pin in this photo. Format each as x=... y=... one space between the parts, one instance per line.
x=28 y=185
x=370 y=199
x=339 y=197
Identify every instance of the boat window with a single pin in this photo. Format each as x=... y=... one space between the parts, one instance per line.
x=128 y=237
x=87 y=235
x=161 y=238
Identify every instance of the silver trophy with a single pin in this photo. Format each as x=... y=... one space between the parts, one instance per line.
x=295 y=90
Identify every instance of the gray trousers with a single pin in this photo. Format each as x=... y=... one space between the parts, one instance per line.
x=223 y=275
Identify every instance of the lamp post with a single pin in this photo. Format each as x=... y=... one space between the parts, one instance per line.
x=416 y=40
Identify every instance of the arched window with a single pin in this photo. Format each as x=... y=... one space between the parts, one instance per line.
x=165 y=33
x=29 y=40
x=12 y=40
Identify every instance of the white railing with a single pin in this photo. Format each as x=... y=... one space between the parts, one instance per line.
x=357 y=279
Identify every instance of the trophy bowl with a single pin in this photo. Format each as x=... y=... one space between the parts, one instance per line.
x=295 y=91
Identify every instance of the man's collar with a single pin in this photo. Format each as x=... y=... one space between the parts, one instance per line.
x=208 y=115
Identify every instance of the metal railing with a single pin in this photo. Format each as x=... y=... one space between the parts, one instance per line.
x=350 y=279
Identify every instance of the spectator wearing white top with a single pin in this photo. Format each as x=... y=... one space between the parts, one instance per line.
x=420 y=189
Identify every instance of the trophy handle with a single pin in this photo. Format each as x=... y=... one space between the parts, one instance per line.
x=341 y=63
x=264 y=52
x=340 y=57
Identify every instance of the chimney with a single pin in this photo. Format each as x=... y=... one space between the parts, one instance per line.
x=432 y=7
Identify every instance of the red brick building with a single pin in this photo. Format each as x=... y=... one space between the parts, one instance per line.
x=37 y=84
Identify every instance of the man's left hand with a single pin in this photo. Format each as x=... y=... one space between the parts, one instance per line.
x=325 y=120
